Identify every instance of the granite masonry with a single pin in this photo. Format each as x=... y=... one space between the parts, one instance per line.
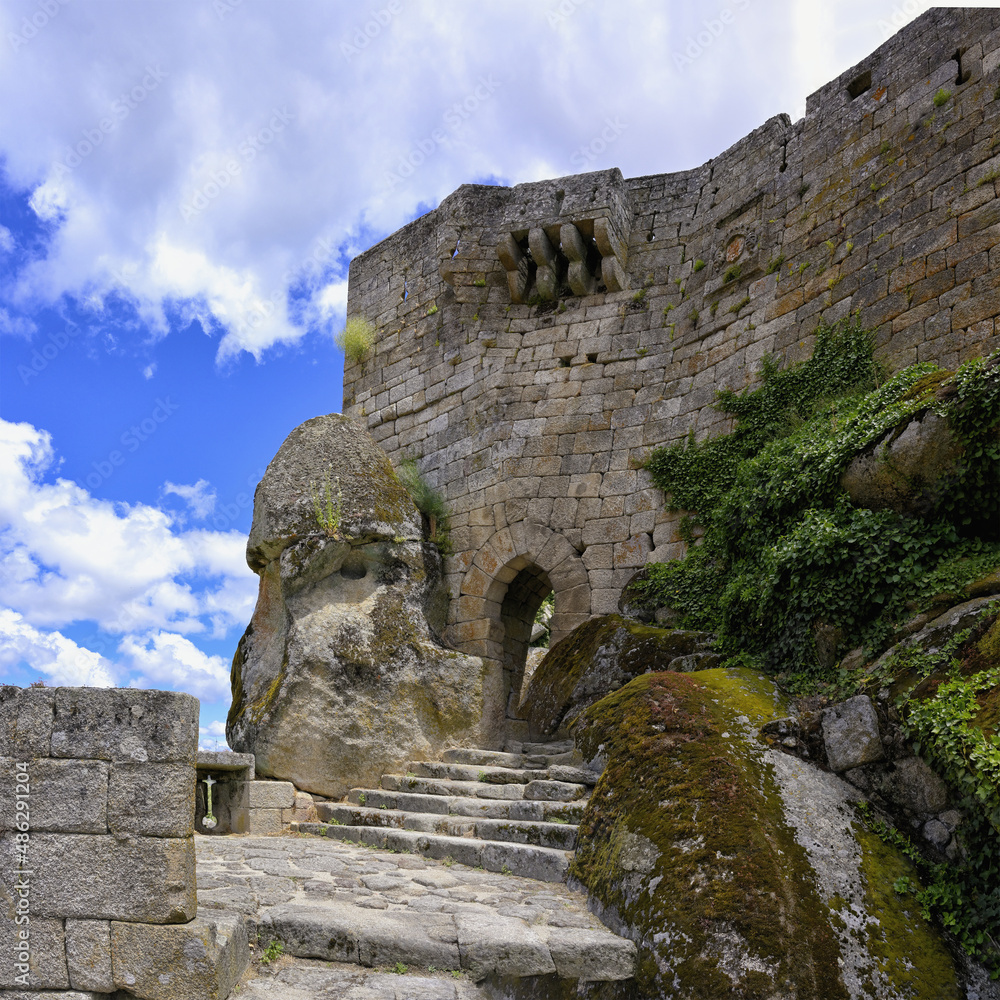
x=535 y=343
x=97 y=854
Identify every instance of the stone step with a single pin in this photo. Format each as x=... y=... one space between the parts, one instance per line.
x=472 y=772
x=557 y=835
x=556 y=746
x=470 y=755
x=516 y=809
x=545 y=864
x=480 y=944
x=559 y=791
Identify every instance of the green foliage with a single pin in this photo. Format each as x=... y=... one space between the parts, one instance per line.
x=429 y=501
x=783 y=548
x=942 y=97
x=775 y=263
x=272 y=952
x=357 y=339
x=400 y=969
x=732 y=273
x=698 y=265
x=737 y=306
x=329 y=511
x=433 y=309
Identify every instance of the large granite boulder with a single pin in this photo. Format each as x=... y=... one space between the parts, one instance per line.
x=909 y=469
x=339 y=676
x=599 y=657
x=739 y=870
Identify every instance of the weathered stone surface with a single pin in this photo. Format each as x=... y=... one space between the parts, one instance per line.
x=492 y=943
x=203 y=959
x=125 y=725
x=908 y=471
x=50 y=995
x=88 y=955
x=147 y=879
x=26 y=721
x=594 y=660
x=736 y=869
x=272 y=795
x=339 y=676
x=851 y=734
x=66 y=795
x=151 y=800
x=46 y=953
x=907 y=784
x=225 y=760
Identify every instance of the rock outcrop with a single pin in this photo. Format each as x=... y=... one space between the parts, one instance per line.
x=739 y=870
x=339 y=676
x=599 y=657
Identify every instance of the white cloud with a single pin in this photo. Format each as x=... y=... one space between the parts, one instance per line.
x=6 y=239
x=61 y=660
x=257 y=131
x=165 y=659
x=68 y=557
x=200 y=496
x=212 y=736
x=149 y=371
x=19 y=326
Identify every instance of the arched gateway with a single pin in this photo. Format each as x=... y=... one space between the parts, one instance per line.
x=501 y=593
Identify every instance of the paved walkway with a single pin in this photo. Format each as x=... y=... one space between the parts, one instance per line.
x=372 y=909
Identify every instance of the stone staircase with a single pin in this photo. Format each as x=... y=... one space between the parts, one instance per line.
x=513 y=811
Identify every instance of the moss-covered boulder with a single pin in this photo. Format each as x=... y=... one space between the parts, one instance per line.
x=595 y=659
x=339 y=676
x=740 y=871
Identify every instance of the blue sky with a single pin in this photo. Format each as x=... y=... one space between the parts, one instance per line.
x=182 y=187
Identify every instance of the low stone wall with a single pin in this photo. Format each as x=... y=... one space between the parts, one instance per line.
x=97 y=859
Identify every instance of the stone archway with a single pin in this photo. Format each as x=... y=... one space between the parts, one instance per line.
x=500 y=595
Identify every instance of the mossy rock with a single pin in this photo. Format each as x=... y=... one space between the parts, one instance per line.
x=740 y=871
x=595 y=659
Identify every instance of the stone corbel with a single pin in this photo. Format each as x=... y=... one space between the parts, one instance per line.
x=575 y=248
x=516 y=266
x=544 y=254
x=614 y=253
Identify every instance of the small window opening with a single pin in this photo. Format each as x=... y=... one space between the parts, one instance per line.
x=860 y=84
x=565 y=362
x=592 y=358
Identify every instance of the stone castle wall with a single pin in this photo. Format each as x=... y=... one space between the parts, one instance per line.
x=96 y=832
x=536 y=342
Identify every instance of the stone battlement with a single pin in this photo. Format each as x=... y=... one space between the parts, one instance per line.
x=536 y=342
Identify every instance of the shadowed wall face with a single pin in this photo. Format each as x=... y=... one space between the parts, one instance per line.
x=536 y=342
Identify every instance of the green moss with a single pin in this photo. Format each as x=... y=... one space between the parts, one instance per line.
x=684 y=840
x=901 y=934
x=599 y=656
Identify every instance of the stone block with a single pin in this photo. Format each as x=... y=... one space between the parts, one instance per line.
x=88 y=955
x=26 y=721
x=226 y=760
x=272 y=795
x=125 y=725
x=151 y=800
x=44 y=959
x=851 y=734
x=200 y=960
x=265 y=821
x=69 y=796
x=148 y=879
